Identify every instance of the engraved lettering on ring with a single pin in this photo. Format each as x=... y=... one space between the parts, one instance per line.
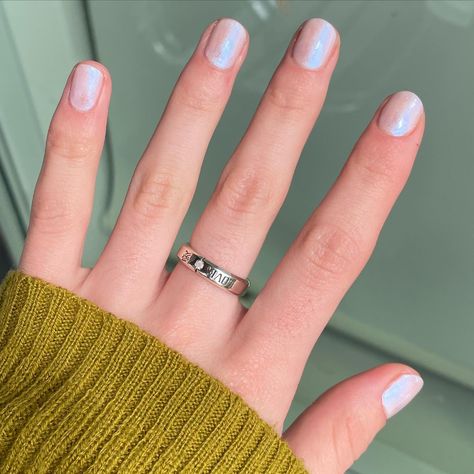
x=212 y=272
x=221 y=278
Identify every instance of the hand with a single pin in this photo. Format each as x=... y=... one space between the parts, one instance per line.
x=259 y=353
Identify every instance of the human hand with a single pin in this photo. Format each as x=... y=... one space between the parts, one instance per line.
x=259 y=353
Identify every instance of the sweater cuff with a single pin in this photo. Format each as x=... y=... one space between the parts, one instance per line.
x=81 y=389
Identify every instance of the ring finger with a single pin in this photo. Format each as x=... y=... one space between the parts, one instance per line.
x=256 y=179
x=165 y=178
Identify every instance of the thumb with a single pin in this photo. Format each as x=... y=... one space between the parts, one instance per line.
x=338 y=427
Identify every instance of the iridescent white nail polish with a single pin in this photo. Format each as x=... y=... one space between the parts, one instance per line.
x=401 y=114
x=314 y=44
x=85 y=87
x=225 y=43
x=400 y=393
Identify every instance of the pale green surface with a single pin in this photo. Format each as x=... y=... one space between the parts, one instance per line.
x=414 y=301
x=420 y=278
x=39 y=44
x=436 y=431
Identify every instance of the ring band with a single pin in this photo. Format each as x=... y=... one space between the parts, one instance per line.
x=211 y=272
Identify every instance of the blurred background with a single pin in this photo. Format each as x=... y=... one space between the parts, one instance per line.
x=415 y=300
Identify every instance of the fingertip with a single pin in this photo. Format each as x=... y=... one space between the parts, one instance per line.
x=87 y=83
x=400 y=114
x=223 y=44
x=403 y=387
x=314 y=44
x=97 y=65
x=391 y=385
x=106 y=76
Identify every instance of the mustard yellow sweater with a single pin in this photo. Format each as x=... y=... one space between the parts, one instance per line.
x=84 y=391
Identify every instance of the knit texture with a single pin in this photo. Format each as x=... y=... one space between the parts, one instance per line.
x=84 y=391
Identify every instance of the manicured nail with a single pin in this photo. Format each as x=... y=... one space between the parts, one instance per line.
x=401 y=113
x=400 y=393
x=314 y=44
x=85 y=87
x=225 y=43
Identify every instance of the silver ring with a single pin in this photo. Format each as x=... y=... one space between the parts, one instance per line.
x=211 y=272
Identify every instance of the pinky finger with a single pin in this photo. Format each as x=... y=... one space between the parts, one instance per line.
x=338 y=427
x=63 y=197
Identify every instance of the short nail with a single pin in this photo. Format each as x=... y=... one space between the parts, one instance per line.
x=225 y=43
x=400 y=114
x=400 y=393
x=85 y=87
x=314 y=44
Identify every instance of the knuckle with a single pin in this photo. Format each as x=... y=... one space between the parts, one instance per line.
x=353 y=431
x=349 y=440
x=201 y=97
x=62 y=144
x=54 y=215
x=244 y=193
x=158 y=194
x=328 y=251
x=287 y=99
x=375 y=166
x=296 y=321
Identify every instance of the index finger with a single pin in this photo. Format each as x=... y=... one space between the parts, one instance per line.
x=330 y=251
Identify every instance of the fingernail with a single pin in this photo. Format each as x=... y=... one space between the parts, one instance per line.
x=400 y=393
x=225 y=43
x=401 y=114
x=314 y=44
x=85 y=87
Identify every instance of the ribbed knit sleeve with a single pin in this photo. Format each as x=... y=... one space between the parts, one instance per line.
x=84 y=391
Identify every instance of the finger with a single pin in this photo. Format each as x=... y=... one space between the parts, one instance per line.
x=335 y=430
x=255 y=181
x=64 y=193
x=332 y=248
x=165 y=178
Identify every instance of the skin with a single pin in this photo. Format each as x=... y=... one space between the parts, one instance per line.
x=259 y=353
